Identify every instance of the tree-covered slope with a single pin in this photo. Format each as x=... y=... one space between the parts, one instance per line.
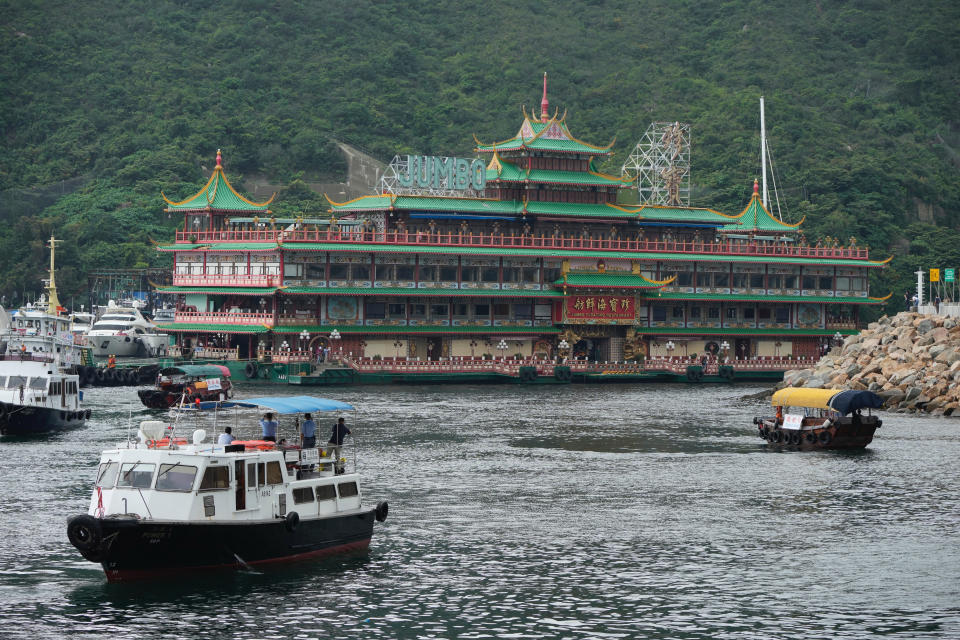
x=136 y=97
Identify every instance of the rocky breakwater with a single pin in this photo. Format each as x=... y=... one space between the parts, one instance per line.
x=911 y=360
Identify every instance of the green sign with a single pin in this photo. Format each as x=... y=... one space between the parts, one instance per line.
x=949 y=275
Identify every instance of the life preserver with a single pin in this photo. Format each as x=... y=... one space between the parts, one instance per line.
x=825 y=437
x=250 y=370
x=712 y=347
x=291 y=521
x=164 y=442
x=380 y=513
x=260 y=445
x=85 y=533
x=528 y=375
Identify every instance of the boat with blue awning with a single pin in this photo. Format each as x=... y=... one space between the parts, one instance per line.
x=163 y=504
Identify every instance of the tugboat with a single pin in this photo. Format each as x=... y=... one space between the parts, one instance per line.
x=820 y=419
x=37 y=394
x=189 y=383
x=162 y=506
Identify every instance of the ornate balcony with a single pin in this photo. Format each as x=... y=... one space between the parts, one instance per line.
x=224 y=317
x=195 y=280
x=503 y=241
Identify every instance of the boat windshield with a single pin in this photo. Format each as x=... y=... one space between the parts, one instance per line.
x=17 y=381
x=107 y=475
x=38 y=383
x=136 y=475
x=102 y=326
x=176 y=477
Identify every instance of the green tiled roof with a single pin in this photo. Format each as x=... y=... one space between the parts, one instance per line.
x=509 y=172
x=405 y=291
x=218 y=194
x=579 y=210
x=531 y=136
x=222 y=246
x=429 y=203
x=243 y=291
x=740 y=297
x=416 y=329
x=214 y=328
x=654 y=213
x=756 y=218
x=619 y=280
x=363 y=203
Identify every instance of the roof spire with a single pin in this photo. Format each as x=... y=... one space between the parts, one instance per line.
x=756 y=187
x=219 y=164
x=544 y=104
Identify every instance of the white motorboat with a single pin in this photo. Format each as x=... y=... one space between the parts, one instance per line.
x=124 y=332
x=162 y=506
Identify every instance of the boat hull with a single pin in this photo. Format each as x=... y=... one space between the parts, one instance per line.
x=842 y=435
x=131 y=549
x=30 y=420
x=124 y=346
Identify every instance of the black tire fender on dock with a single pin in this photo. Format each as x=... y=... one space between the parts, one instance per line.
x=100 y=376
x=250 y=370
x=292 y=521
x=84 y=532
x=528 y=375
x=4 y=410
x=825 y=437
x=380 y=513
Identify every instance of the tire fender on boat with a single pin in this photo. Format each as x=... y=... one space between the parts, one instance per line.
x=4 y=410
x=292 y=520
x=380 y=513
x=250 y=370
x=825 y=437
x=84 y=532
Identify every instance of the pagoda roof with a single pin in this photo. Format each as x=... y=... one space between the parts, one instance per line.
x=218 y=194
x=509 y=172
x=544 y=135
x=755 y=217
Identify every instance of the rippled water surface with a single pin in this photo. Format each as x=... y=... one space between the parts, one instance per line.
x=551 y=512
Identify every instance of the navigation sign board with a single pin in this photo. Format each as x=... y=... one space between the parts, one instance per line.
x=949 y=275
x=934 y=275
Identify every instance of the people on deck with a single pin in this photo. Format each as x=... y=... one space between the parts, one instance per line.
x=308 y=432
x=268 y=428
x=226 y=437
x=111 y=361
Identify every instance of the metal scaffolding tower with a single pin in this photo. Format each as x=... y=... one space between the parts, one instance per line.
x=660 y=164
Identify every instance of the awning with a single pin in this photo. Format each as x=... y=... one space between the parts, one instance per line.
x=294 y=404
x=197 y=370
x=842 y=402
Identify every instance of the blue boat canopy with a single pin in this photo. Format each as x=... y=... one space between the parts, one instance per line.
x=283 y=405
x=851 y=400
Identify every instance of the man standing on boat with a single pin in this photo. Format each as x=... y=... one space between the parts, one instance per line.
x=268 y=428
x=340 y=431
x=308 y=432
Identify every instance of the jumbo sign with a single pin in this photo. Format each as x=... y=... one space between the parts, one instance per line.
x=436 y=172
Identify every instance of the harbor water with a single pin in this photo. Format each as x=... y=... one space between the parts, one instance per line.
x=642 y=511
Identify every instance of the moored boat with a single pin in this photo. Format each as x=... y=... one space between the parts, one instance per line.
x=36 y=396
x=162 y=506
x=188 y=383
x=808 y=419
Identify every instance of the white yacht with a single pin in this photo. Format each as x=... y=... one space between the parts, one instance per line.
x=123 y=331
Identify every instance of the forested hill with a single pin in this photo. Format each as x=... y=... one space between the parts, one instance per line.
x=106 y=103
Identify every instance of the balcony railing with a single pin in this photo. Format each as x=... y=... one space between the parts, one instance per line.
x=200 y=280
x=223 y=317
x=503 y=241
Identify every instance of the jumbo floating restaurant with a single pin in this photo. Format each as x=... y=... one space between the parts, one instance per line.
x=533 y=273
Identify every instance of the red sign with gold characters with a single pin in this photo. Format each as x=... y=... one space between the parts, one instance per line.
x=599 y=307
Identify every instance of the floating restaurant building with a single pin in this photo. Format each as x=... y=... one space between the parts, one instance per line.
x=535 y=259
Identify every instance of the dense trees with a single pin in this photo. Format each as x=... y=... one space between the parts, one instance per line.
x=134 y=98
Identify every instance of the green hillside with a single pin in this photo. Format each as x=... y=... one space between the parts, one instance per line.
x=105 y=104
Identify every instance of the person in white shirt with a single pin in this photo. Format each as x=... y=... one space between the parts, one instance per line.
x=226 y=437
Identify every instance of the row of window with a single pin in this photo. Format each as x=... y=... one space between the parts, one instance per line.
x=56 y=387
x=779 y=314
x=761 y=281
x=180 y=477
x=397 y=310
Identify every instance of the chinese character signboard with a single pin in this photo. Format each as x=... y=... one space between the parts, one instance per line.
x=948 y=275
x=608 y=308
x=934 y=275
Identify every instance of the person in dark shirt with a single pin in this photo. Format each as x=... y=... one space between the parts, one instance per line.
x=338 y=433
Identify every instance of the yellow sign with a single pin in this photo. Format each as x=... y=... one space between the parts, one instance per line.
x=934 y=275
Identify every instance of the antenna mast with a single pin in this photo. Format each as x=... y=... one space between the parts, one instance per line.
x=763 y=152
x=53 y=304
